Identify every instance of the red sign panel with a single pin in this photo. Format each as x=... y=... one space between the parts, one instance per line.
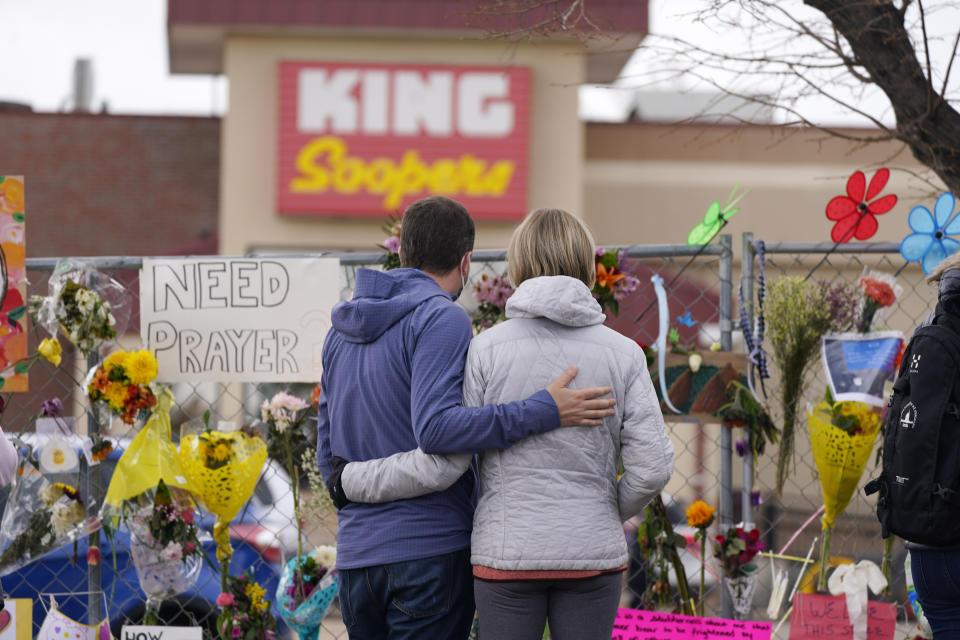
x=368 y=139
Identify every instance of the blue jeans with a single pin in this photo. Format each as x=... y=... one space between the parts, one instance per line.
x=936 y=575
x=417 y=599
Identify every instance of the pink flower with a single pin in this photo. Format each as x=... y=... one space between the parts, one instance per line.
x=190 y=548
x=225 y=600
x=93 y=556
x=392 y=244
x=173 y=552
x=236 y=632
x=187 y=516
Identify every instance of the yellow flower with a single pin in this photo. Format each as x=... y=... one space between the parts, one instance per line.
x=115 y=359
x=221 y=452
x=141 y=367
x=50 y=350
x=700 y=514
x=116 y=395
x=255 y=592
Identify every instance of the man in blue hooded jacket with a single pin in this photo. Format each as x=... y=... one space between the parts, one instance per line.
x=392 y=376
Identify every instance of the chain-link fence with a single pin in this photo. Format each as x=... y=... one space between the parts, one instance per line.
x=699 y=282
x=856 y=535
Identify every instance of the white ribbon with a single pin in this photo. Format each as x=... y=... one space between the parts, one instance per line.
x=852 y=580
x=661 y=344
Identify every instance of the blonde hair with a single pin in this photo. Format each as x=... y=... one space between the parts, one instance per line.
x=551 y=242
x=950 y=262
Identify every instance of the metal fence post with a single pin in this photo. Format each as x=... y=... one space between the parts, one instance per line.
x=726 y=440
x=746 y=284
x=94 y=582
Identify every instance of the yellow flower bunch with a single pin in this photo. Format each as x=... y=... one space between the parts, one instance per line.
x=700 y=514
x=256 y=593
x=853 y=417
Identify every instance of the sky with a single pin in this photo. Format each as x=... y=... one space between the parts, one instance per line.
x=127 y=43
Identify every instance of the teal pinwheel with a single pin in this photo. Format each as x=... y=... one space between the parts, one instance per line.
x=714 y=220
x=930 y=241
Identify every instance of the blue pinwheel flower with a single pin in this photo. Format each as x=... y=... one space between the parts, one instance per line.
x=930 y=241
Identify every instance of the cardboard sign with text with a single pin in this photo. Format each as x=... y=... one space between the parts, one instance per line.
x=817 y=617
x=160 y=633
x=219 y=319
x=636 y=624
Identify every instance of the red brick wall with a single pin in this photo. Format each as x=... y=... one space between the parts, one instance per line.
x=114 y=185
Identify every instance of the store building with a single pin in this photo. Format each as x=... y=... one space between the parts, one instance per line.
x=342 y=113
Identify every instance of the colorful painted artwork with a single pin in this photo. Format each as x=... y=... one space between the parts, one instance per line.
x=13 y=281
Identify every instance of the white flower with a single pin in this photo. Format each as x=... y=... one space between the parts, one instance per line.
x=50 y=494
x=65 y=515
x=86 y=300
x=325 y=556
x=111 y=320
x=173 y=552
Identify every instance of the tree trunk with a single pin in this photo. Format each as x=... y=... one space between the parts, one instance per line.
x=880 y=43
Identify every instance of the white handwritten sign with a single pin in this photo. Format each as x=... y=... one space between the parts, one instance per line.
x=161 y=633
x=636 y=624
x=238 y=319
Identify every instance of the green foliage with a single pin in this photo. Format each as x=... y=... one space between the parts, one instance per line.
x=746 y=412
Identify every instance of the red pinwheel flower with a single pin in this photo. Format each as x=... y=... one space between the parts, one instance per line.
x=854 y=213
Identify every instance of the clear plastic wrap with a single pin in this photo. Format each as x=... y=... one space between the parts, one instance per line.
x=40 y=516
x=87 y=306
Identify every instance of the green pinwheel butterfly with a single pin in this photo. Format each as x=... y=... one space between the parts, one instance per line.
x=714 y=220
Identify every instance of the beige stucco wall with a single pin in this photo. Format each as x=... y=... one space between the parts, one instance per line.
x=248 y=217
x=651 y=183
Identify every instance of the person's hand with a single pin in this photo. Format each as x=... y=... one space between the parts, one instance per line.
x=580 y=407
x=334 y=486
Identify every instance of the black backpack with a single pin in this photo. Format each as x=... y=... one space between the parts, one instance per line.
x=920 y=482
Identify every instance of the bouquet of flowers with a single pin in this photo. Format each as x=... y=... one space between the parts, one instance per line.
x=39 y=516
x=150 y=495
x=880 y=290
x=122 y=383
x=842 y=435
x=308 y=585
x=391 y=244
x=615 y=279
x=799 y=313
x=736 y=549
x=88 y=307
x=492 y=295
x=165 y=544
x=223 y=468
x=244 y=614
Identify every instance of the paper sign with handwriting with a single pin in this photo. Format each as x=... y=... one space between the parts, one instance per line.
x=217 y=319
x=817 y=617
x=636 y=624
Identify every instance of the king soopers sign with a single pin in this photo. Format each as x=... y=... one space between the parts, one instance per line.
x=365 y=140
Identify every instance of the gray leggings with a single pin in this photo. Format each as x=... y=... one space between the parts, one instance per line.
x=580 y=609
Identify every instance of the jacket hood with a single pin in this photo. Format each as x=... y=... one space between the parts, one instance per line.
x=380 y=300
x=563 y=299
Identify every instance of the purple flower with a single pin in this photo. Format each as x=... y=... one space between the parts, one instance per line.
x=742 y=447
x=755 y=498
x=392 y=244
x=236 y=632
x=51 y=408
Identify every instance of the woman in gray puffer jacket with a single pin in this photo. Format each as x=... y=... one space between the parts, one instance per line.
x=547 y=541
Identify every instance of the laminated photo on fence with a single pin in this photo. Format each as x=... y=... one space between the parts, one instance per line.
x=858 y=365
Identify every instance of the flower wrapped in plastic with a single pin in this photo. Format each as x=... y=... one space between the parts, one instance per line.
x=842 y=435
x=122 y=383
x=149 y=486
x=40 y=516
x=89 y=307
x=308 y=585
x=223 y=468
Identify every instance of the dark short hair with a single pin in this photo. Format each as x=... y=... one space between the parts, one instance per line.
x=435 y=232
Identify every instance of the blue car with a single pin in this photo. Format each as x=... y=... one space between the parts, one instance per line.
x=260 y=537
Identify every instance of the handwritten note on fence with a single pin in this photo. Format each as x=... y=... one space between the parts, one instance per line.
x=635 y=624
x=817 y=617
x=218 y=319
